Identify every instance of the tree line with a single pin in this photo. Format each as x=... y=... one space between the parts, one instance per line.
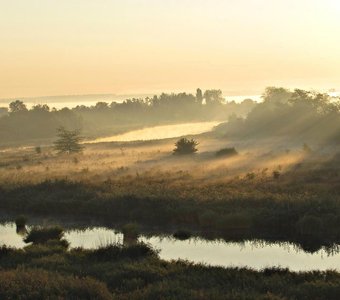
x=299 y=115
x=19 y=123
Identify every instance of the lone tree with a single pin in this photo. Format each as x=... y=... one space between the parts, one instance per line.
x=185 y=146
x=17 y=106
x=68 y=141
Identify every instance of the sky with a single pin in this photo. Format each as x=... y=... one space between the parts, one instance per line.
x=71 y=47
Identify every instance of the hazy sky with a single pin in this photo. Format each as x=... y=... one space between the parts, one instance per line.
x=54 y=47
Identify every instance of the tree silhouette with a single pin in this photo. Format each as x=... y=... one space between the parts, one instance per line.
x=17 y=106
x=213 y=97
x=199 y=96
x=185 y=146
x=68 y=141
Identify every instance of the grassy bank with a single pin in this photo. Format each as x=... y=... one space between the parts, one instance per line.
x=136 y=272
x=307 y=213
x=288 y=195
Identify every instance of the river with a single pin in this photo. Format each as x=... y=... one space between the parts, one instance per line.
x=159 y=132
x=255 y=254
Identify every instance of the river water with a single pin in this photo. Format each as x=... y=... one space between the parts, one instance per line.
x=159 y=132
x=255 y=254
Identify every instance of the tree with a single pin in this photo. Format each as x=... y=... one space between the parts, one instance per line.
x=199 y=96
x=276 y=95
x=185 y=146
x=41 y=108
x=17 y=106
x=68 y=141
x=213 y=97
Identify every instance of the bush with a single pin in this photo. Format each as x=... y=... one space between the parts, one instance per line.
x=38 y=150
x=227 y=152
x=45 y=235
x=130 y=230
x=185 y=146
x=20 y=221
x=182 y=235
x=116 y=252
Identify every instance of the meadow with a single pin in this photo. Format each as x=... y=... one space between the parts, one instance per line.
x=288 y=194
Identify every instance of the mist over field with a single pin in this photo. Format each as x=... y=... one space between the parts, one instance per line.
x=172 y=170
x=169 y=149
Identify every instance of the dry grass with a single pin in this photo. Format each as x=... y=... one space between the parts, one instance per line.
x=112 y=161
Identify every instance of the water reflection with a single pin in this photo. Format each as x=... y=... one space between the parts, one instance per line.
x=255 y=254
x=21 y=230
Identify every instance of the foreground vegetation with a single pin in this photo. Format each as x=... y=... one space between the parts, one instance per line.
x=49 y=270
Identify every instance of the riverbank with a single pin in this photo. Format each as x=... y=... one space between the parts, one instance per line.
x=254 y=195
x=235 y=209
x=136 y=272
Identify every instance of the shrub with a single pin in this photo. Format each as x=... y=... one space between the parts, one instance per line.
x=116 y=252
x=185 y=146
x=130 y=230
x=38 y=150
x=20 y=221
x=227 y=152
x=39 y=235
x=182 y=235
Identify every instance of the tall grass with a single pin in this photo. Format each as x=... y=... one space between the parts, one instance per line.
x=136 y=272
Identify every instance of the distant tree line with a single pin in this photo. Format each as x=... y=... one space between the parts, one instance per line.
x=18 y=123
x=297 y=114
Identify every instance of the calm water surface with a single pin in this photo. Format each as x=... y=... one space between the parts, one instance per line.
x=252 y=254
x=159 y=132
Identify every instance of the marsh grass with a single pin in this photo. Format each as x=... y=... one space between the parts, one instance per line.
x=136 y=272
x=148 y=185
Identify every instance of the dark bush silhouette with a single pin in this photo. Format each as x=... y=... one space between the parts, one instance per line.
x=38 y=150
x=115 y=252
x=226 y=152
x=21 y=221
x=182 y=235
x=185 y=146
x=130 y=230
x=49 y=235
